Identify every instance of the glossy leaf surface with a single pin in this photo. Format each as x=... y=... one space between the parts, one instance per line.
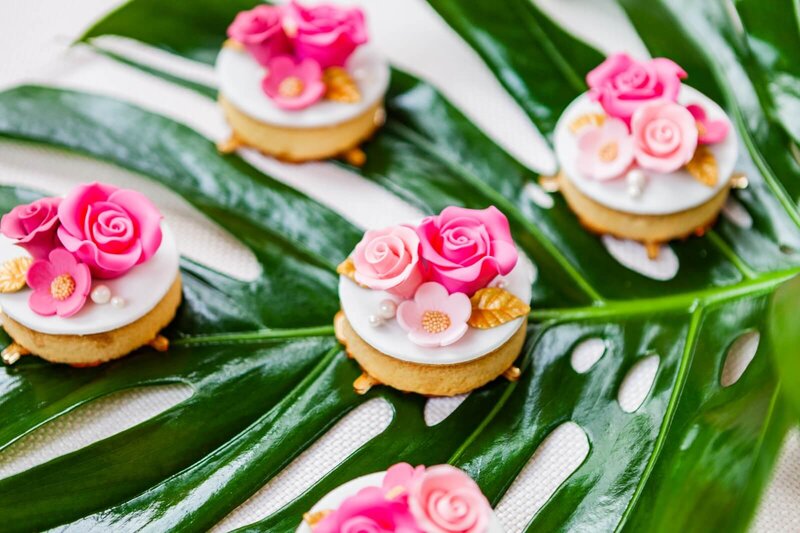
x=689 y=435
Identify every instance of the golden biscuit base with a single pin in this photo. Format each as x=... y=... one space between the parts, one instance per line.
x=296 y=145
x=651 y=230
x=430 y=380
x=91 y=350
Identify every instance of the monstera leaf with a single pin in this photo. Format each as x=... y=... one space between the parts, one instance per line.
x=269 y=379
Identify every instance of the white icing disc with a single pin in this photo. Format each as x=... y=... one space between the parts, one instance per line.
x=334 y=499
x=664 y=193
x=239 y=77
x=142 y=288
x=359 y=303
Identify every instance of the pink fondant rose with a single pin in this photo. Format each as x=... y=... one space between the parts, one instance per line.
x=621 y=84
x=60 y=284
x=260 y=31
x=326 y=33
x=33 y=226
x=109 y=229
x=369 y=511
x=665 y=136
x=388 y=260
x=464 y=249
x=446 y=500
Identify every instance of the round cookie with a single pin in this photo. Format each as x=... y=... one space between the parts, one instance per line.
x=337 y=496
x=323 y=130
x=665 y=206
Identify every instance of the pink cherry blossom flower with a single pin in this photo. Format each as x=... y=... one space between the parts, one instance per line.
x=293 y=86
x=446 y=500
x=605 y=152
x=622 y=85
x=398 y=480
x=665 y=136
x=434 y=317
x=60 y=284
x=708 y=131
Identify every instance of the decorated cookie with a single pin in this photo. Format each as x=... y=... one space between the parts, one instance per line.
x=300 y=82
x=437 y=499
x=438 y=308
x=643 y=156
x=87 y=278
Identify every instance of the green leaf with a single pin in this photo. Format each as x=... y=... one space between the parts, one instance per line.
x=785 y=339
x=690 y=437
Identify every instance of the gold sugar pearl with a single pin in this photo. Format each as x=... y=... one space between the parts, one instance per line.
x=435 y=321
x=291 y=87
x=62 y=287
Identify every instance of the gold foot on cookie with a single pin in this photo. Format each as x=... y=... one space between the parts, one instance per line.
x=739 y=180
x=160 y=343
x=12 y=353
x=512 y=374
x=313 y=518
x=653 y=250
x=230 y=145
x=364 y=383
x=699 y=232
x=549 y=183
x=355 y=157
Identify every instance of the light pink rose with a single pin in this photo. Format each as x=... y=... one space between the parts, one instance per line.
x=605 y=152
x=369 y=511
x=665 y=136
x=621 y=84
x=33 y=226
x=708 y=131
x=465 y=249
x=326 y=32
x=293 y=86
x=260 y=31
x=110 y=229
x=388 y=260
x=446 y=500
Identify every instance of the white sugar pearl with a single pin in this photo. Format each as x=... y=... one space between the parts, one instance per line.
x=500 y=283
x=101 y=294
x=634 y=191
x=118 y=302
x=387 y=309
x=375 y=321
x=636 y=178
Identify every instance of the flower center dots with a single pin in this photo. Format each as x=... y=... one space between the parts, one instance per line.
x=62 y=287
x=608 y=152
x=435 y=321
x=291 y=87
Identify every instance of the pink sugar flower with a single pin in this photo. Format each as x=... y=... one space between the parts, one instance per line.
x=622 y=85
x=369 y=511
x=33 y=226
x=708 y=131
x=293 y=86
x=60 y=284
x=398 y=480
x=327 y=33
x=605 y=152
x=665 y=136
x=434 y=317
x=260 y=31
x=446 y=500
x=388 y=260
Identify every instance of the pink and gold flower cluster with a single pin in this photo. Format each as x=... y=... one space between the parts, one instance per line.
x=97 y=231
x=439 y=499
x=435 y=267
x=296 y=44
x=644 y=125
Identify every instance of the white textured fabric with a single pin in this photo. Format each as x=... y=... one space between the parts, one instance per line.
x=34 y=38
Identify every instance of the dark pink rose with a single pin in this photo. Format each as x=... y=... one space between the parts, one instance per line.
x=369 y=511
x=110 y=229
x=326 y=33
x=465 y=249
x=260 y=30
x=33 y=226
x=621 y=84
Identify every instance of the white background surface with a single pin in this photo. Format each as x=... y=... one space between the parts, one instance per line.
x=34 y=39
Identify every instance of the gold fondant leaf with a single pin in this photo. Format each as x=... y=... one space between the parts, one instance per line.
x=340 y=86
x=589 y=119
x=494 y=306
x=347 y=268
x=13 y=272
x=234 y=45
x=703 y=166
x=314 y=518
